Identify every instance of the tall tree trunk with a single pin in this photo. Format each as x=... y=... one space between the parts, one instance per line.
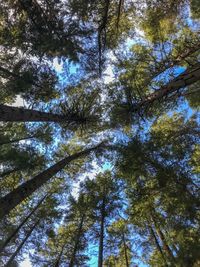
x=162 y=238
x=172 y=62
x=19 y=114
x=100 y=257
x=8 y=264
x=72 y=261
x=157 y=244
x=165 y=245
x=188 y=77
x=19 y=139
x=9 y=238
x=57 y=263
x=125 y=249
x=11 y=200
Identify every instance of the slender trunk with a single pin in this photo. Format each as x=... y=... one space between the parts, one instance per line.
x=125 y=250
x=57 y=263
x=165 y=245
x=10 y=237
x=11 y=200
x=72 y=261
x=162 y=238
x=188 y=77
x=170 y=63
x=19 y=139
x=8 y=264
x=100 y=258
x=157 y=244
x=19 y=114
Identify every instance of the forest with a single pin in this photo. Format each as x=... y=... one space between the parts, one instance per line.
x=99 y=133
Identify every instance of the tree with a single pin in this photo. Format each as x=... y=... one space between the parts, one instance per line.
x=9 y=238
x=69 y=242
x=8 y=113
x=21 y=245
x=163 y=195
x=103 y=192
x=27 y=188
x=119 y=238
x=73 y=73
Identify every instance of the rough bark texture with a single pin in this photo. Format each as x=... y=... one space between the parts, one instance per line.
x=188 y=77
x=165 y=245
x=16 y=114
x=9 y=238
x=8 y=264
x=72 y=261
x=23 y=191
x=162 y=238
x=157 y=244
x=100 y=258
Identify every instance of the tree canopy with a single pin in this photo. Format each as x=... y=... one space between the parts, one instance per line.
x=99 y=133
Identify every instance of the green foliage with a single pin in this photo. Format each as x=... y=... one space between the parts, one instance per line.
x=135 y=197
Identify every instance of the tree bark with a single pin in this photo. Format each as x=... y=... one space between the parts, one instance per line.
x=11 y=200
x=8 y=264
x=100 y=257
x=72 y=261
x=10 y=237
x=125 y=250
x=188 y=77
x=19 y=114
x=19 y=139
x=165 y=245
x=162 y=238
x=157 y=244
x=172 y=62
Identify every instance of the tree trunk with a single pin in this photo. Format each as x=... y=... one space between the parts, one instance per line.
x=165 y=245
x=11 y=200
x=21 y=244
x=157 y=244
x=162 y=238
x=9 y=238
x=59 y=257
x=19 y=139
x=72 y=261
x=100 y=257
x=188 y=77
x=170 y=63
x=19 y=114
x=125 y=250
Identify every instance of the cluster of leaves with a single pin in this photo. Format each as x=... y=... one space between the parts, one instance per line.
x=143 y=126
